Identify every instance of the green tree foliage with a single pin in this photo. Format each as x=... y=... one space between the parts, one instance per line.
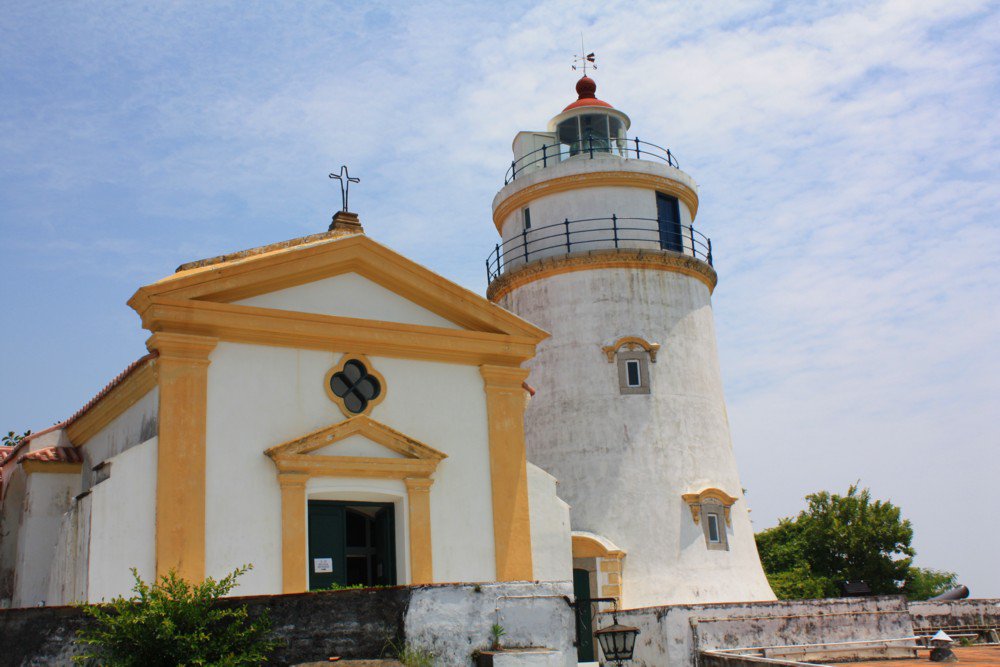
x=922 y=583
x=845 y=538
x=13 y=440
x=175 y=622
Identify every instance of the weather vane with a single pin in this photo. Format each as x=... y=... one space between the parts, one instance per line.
x=581 y=61
x=345 y=184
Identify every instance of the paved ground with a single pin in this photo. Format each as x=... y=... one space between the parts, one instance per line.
x=968 y=656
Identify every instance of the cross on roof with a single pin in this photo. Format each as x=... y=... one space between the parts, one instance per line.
x=345 y=179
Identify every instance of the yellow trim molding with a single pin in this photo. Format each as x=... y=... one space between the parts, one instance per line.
x=339 y=367
x=588 y=545
x=294 y=537
x=508 y=470
x=180 y=466
x=56 y=467
x=622 y=258
x=296 y=462
x=695 y=501
x=244 y=277
x=268 y=326
x=138 y=383
x=631 y=343
x=521 y=198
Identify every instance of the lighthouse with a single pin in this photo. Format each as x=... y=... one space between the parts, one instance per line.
x=599 y=246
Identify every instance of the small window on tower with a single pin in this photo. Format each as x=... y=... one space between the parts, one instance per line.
x=714 y=524
x=632 y=372
x=526 y=213
x=713 y=527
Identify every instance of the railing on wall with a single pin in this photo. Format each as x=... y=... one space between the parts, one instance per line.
x=593 y=233
x=556 y=152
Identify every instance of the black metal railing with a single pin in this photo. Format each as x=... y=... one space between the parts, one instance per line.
x=594 y=233
x=556 y=152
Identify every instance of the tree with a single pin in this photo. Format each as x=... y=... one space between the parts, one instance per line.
x=845 y=538
x=13 y=440
x=175 y=622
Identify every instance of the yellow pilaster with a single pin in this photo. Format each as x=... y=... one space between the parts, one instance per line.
x=505 y=401
x=180 y=472
x=419 y=499
x=293 y=531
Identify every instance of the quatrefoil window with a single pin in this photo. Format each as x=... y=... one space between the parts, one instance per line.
x=354 y=385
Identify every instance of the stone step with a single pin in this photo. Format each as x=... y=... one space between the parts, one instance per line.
x=522 y=657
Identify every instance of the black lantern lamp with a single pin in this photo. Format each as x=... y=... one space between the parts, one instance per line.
x=617 y=641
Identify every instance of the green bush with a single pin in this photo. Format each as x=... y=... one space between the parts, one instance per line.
x=175 y=622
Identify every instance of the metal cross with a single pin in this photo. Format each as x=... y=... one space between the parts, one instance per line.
x=584 y=59
x=345 y=184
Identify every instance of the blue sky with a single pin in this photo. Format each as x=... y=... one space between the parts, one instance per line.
x=847 y=155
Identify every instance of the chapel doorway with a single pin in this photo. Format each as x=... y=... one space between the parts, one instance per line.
x=584 y=616
x=351 y=543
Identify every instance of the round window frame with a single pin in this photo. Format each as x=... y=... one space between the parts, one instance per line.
x=339 y=368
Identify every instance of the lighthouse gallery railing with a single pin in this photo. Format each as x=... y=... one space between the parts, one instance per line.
x=596 y=233
x=554 y=153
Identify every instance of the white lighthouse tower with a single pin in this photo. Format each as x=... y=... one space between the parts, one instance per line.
x=599 y=248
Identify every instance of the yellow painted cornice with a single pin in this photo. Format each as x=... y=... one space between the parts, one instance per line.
x=361 y=425
x=630 y=343
x=269 y=326
x=602 y=259
x=630 y=179
x=242 y=278
x=121 y=397
x=695 y=500
x=55 y=467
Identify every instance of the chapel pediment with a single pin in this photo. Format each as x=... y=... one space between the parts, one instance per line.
x=311 y=275
x=356 y=447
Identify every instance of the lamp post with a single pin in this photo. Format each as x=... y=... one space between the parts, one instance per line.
x=617 y=641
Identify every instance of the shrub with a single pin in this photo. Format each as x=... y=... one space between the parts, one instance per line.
x=175 y=622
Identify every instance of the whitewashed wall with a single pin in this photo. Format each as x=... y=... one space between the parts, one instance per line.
x=123 y=523
x=48 y=496
x=260 y=396
x=551 y=543
x=135 y=425
x=623 y=461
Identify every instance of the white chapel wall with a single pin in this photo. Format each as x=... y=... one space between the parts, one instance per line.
x=551 y=543
x=349 y=295
x=48 y=496
x=123 y=523
x=135 y=425
x=261 y=396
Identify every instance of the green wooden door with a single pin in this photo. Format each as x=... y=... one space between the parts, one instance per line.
x=584 y=617
x=327 y=554
x=351 y=543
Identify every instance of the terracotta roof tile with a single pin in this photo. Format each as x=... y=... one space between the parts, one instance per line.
x=111 y=385
x=53 y=455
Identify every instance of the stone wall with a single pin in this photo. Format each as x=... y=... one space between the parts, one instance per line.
x=451 y=620
x=677 y=634
x=931 y=616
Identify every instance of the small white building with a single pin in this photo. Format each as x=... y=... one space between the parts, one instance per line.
x=321 y=408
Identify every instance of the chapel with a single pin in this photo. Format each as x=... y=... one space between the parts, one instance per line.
x=337 y=415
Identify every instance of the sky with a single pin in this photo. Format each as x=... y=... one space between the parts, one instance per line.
x=847 y=155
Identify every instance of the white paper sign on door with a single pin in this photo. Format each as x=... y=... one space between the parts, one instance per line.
x=322 y=565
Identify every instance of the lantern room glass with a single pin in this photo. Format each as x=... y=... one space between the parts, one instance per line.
x=597 y=132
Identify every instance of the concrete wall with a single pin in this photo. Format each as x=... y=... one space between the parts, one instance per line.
x=14 y=488
x=624 y=461
x=551 y=545
x=123 y=523
x=675 y=634
x=135 y=425
x=48 y=496
x=69 y=570
x=930 y=616
x=450 y=620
